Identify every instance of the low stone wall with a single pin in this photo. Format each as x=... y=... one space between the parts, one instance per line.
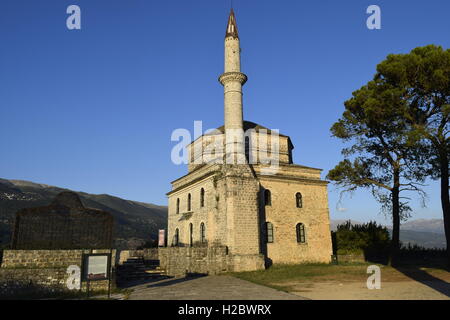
x=179 y=261
x=351 y=258
x=151 y=254
x=41 y=258
x=43 y=271
x=123 y=256
x=23 y=282
x=146 y=254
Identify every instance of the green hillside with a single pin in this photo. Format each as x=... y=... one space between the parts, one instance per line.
x=134 y=221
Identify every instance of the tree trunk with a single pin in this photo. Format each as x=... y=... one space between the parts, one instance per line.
x=445 y=201
x=395 y=243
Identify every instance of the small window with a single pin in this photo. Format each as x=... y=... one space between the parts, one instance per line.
x=269 y=232
x=176 y=237
x=300 y=229
x=189 y=203
x=267 y=198
x=191 y=234
x=202 y=198
x=202 y=233
x=299 y=200
x=178 y=205
x=247 y=149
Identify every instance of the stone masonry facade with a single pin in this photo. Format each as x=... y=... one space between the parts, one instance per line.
x=262 y=214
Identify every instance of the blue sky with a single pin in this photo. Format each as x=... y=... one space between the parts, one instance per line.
x=94 y=109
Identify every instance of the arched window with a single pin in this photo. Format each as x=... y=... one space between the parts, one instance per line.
x=267 y=198
x=248 y=155
x=202 y=198
x=176 y=237
x=189 y=203
x=178 y=205
x=202 y=233
x=301 y=236
x=191 y=234
x=299 y=200
x=269 y=232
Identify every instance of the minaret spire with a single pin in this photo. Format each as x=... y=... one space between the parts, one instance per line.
x=232 y=30
x=233 y=80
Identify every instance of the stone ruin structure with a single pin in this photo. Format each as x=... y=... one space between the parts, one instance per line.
x=64 y=224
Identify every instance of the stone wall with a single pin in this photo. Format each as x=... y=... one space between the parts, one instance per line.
x=235 y=215
x=41 y=258
x=210 y=148
x=64 y=224
x=198 y=214
x=146 y=254
x=179 y=261
x=43 y=271
x=30 y=282
x=284 y=215
x=351 y=258
x=229 y=214
x=241 y=192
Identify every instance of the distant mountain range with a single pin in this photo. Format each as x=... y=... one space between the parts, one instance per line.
x=428 y=233
x=135 y=222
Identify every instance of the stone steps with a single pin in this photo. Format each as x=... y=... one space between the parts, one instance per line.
x=136 y=269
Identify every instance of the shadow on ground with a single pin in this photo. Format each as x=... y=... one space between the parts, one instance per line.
x=173 y=281
x=427 y=279
x=161 y=281
x=414 y=270
x=133 y=283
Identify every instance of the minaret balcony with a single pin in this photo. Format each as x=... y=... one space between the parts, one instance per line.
x=233 y=76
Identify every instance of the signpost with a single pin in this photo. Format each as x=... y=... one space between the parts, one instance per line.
x=97 y=267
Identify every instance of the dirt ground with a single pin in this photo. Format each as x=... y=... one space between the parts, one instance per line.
x=406 y=290
x=421 y=284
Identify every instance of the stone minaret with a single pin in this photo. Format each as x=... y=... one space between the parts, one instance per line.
x=233 y=80
x=238 y=185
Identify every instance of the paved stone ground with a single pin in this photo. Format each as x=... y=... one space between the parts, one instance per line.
x=207 y=288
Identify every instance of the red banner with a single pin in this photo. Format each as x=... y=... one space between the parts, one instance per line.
x=161 y=240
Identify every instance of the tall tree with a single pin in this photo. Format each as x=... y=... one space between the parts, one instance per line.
x=423 y=76
x=386 y=159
